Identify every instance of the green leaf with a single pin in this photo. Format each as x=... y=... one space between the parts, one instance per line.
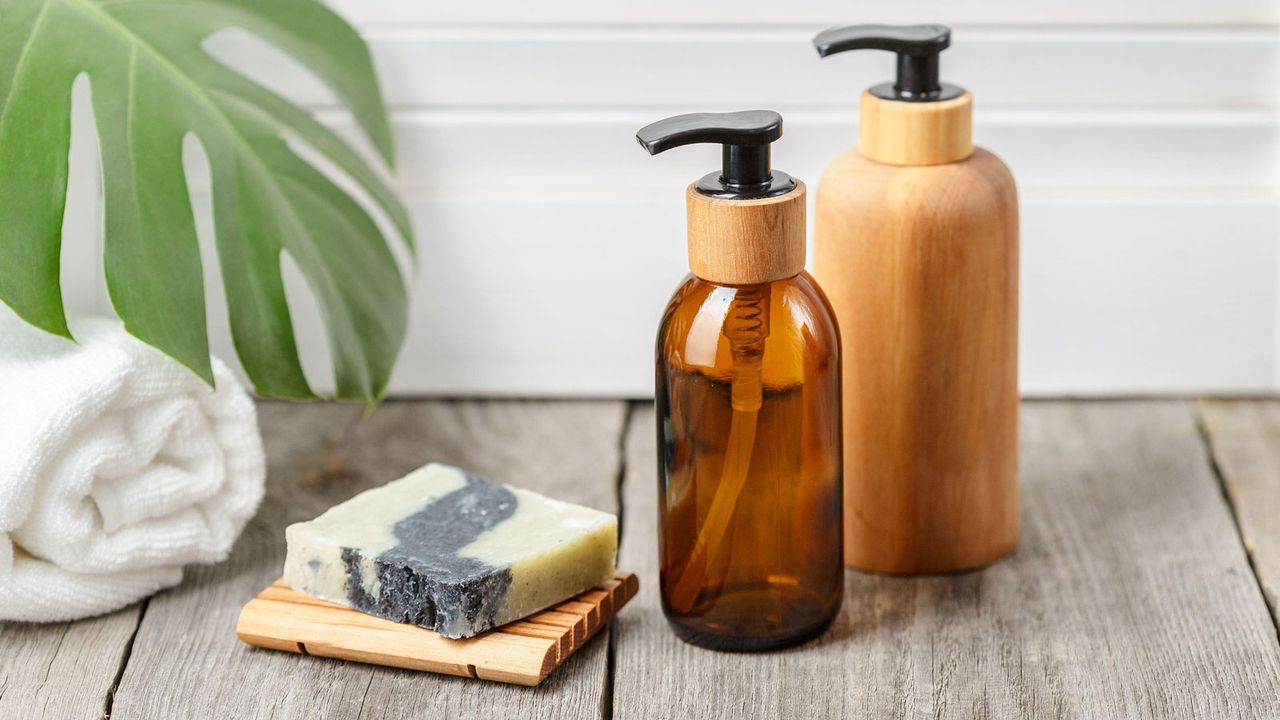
x=152 y=85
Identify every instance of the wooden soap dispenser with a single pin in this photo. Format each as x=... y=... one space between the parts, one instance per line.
x=916 y=243
x=748 y=405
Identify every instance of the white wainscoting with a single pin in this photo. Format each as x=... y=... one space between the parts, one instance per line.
x=1144 y=136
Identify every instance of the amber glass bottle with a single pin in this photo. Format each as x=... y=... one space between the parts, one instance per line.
x=777 y=576
x=748 y=404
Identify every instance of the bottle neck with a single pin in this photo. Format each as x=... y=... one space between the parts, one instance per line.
x=746 y=242
x=895 y=132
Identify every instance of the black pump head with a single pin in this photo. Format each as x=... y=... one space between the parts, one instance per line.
x=917 y=46
x=745 y=173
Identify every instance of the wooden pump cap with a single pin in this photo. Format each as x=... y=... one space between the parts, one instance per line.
x=746 y=242
x=895 y=132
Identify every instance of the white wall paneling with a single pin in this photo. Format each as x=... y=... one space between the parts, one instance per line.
x=548 y=296
x=1143 y=134
x=824 y=12
x=1174 y=303
x=541 y=67
x=596 y=151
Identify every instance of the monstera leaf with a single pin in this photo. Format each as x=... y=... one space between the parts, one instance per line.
x=152 y=85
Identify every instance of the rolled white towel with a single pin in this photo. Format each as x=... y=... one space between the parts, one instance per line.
x=117 y=467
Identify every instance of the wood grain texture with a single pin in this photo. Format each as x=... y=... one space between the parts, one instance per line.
x=1130 y=596
x=746 y=242
x=187 y=661
x=921 y=267
x=62 y=671
x=524 y=652
x=915 y=133
x=1244 y=436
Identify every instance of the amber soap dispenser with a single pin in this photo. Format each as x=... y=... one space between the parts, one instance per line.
x=916 y=241
x=748 y=405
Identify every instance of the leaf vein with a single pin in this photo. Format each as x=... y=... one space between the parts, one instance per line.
x=22 y=61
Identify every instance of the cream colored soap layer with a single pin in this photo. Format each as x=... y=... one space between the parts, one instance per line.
x=553 y=549
x=451 y=551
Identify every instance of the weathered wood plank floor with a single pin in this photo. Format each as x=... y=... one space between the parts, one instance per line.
x=1150 y=558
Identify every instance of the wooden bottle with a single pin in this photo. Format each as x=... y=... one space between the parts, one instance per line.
x=916 y=244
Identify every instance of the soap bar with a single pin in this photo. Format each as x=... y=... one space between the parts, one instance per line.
x=450 y=551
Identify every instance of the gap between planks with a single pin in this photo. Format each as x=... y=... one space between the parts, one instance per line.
x=110 y=700
x=1215 y=467
x=1242 y=457
x=620 y=478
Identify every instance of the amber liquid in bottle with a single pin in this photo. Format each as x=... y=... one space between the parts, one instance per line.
x=748 y=401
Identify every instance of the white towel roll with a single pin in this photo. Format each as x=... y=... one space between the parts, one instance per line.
x=117 y=467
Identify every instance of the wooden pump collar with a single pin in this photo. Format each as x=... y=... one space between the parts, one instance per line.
x=746 y=242
x=895 y=132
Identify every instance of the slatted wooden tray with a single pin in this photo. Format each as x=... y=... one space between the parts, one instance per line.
x=523 y=652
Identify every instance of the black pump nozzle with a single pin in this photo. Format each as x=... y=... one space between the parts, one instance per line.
x=917 y=46
x=745 y=173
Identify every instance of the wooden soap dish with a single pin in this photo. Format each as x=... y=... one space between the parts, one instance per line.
x=523 y=652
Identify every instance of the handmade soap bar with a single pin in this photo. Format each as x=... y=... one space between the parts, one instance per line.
x=450 y=551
